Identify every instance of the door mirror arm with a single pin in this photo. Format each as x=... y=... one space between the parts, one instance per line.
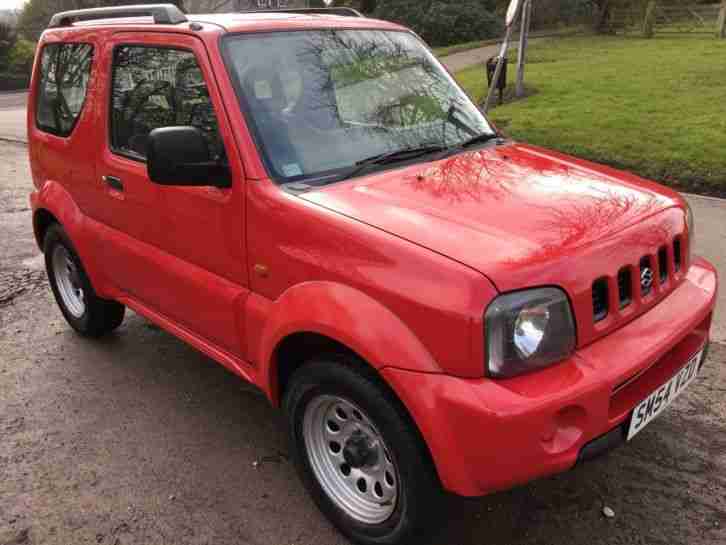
x=205 y=173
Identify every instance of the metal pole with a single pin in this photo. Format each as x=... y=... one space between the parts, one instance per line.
x=722 y=21
x=523 y=39
x=498 y=70
x=649 y=21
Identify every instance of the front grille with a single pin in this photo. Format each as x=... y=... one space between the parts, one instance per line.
x=646 y=275
x=677 y=253
x=651 y=272
x=625 y=286
x=663 y=264
x=600 y=299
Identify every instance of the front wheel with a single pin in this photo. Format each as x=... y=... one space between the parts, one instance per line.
x=86 y=312
x=357 y=453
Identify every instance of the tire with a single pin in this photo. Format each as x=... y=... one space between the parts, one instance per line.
x=380 y=516
x=86 y=312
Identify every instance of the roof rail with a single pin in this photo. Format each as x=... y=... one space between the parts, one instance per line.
x=163 y=14
x=348 y=12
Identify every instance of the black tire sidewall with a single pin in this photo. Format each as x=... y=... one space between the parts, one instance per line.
x=53 y=238
x=326 y=377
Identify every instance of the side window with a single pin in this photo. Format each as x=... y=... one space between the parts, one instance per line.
x=64 y=73
x=157 y=87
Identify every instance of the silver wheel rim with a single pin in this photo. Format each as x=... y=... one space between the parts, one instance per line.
x=68 y=282
x=350 y=459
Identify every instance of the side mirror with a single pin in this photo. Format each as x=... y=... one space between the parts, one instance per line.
x=180 y=156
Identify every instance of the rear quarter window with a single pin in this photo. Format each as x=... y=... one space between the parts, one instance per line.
x=65 y=69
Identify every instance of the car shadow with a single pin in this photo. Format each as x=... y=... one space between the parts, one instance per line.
x=229 y=434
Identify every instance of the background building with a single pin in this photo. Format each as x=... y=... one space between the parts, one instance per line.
x=9 y=17
x=219 y=6
x=271 y=4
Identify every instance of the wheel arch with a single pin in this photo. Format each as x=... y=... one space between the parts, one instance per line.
x=328 y=315
x=42 y=220
x=295 y=350
x=53 y=204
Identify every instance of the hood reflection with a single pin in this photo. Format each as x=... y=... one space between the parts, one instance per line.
x=507 y=207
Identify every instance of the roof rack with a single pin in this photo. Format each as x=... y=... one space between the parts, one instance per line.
x=163 y=14
x=347 y=12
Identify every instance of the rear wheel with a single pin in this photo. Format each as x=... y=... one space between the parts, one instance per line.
x=85 y=311
x=357 y=453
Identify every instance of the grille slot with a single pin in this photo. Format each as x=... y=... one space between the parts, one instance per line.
x=600 y=299
x=638 y=283
x=677 y=253
x=625 y=286
x=645 y=266
x=663 y=264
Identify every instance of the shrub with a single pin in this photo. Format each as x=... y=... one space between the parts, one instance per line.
x=8 y=37
x=14 y=82
x=441 y=22
x=20 y=57
x=552 y=13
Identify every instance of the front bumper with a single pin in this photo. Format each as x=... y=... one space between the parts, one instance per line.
x=616 y=436
x=487 y=435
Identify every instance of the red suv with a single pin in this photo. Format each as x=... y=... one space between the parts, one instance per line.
x=312 y=200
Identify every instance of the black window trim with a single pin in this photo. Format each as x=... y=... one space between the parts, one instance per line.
x=51 y=130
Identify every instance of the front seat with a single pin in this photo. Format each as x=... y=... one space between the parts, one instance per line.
x=266 y=101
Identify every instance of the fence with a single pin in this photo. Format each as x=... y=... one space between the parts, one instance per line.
x=668 y=19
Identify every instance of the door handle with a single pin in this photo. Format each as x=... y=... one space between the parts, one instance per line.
x=113 y=182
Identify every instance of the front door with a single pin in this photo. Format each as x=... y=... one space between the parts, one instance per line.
x=177 y=250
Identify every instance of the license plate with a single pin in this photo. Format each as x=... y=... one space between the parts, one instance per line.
x=656 y=402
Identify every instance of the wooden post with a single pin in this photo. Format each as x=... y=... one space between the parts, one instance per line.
x=521 y=54
x=649 y=21
x=722 y=21
x=603 y=17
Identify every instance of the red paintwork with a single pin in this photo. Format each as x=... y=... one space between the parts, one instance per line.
x=397 y=266
x=490 y=435
x=543 y=218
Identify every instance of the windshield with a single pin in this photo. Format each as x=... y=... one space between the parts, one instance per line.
x=321 y=102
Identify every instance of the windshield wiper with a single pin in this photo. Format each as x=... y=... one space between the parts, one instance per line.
x=479 y=139
x=399 y=155
x=392 y=157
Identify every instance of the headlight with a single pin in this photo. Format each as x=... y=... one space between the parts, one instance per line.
x=528 y=330
x=691 y=233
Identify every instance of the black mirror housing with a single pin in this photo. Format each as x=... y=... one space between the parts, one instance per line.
x=180 y=156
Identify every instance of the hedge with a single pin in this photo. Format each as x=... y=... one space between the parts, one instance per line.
x=14 y=82
x=443 y=23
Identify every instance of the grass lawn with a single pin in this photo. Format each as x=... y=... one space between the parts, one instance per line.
x=467 y=46
x=655 y=107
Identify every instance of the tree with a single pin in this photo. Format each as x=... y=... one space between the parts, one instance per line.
x=368 y=6
x=604 y=10
x=602 y=15
x=209 y=6
x=445 y=22
x=8 y=37
x=365 y=6
x=20 y=57
x=36 y=14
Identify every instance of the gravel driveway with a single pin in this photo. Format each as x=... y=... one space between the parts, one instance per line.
x=139 y=439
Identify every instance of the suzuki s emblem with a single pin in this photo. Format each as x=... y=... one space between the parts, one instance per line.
x=646 y=278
